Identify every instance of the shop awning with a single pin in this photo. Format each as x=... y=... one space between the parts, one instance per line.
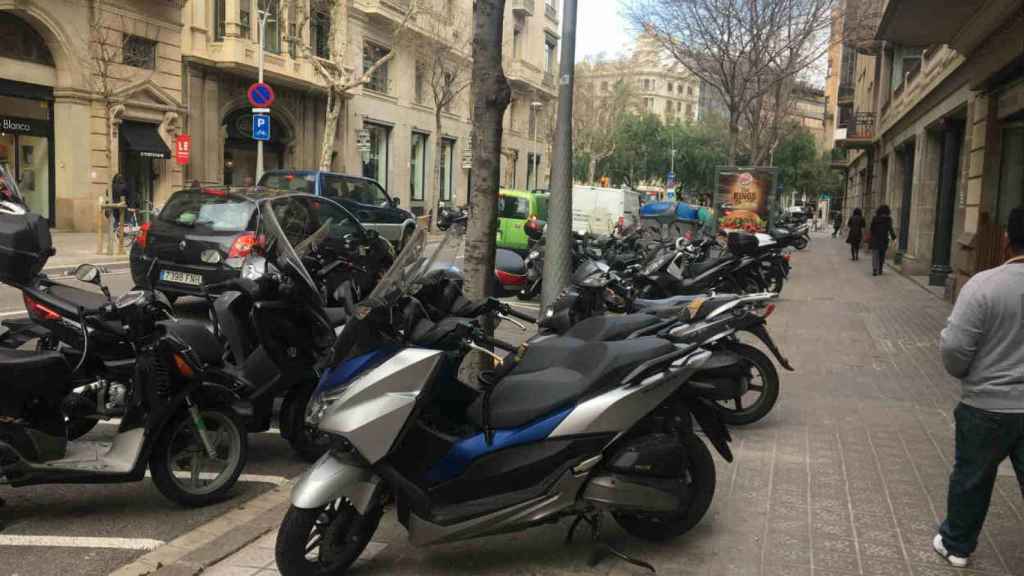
x=144 y=140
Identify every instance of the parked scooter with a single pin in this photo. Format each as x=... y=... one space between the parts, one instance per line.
x=563 y=428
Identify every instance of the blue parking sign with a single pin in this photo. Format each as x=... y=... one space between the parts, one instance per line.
x=261 y=127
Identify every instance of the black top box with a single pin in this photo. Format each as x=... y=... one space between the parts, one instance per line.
x=742 y=243
x=25 y=246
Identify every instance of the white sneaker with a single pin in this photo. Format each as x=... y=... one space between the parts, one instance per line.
x=940 y=547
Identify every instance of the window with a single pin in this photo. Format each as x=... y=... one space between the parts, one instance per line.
x=679 y=88
x=361 y=191
x=320 y=28
x=513 y=113
x=1011 y=172
x=518 y=28
x=244 y=18
x=419 y=83
x=668 y=107
x=669 y=87
x=139 y=52
x=533 y=121
x=417 y=166
x=679 y=106
x=375 y=162
x=533 y=162
x=301 y=217
x=272 y=40
x=648 y=104
x=647 y=83
x=218 y=19
x=447 y=167
x=513 y=207
x=215 y=213
x=689 y=90
x=550 y=54
x=372 y=53
x=689 y=111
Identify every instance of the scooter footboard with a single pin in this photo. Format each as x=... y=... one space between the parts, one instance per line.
x=332 y=477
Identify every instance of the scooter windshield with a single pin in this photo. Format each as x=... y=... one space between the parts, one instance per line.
x=293 y=228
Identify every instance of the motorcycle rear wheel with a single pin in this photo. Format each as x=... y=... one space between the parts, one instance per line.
x=733 y=411
x=800 y=243
x=324 y=541
x=702 y=479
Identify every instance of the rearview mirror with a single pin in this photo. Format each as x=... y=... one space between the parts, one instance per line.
x=88 y=273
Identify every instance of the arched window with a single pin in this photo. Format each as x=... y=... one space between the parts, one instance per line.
x=21 y=41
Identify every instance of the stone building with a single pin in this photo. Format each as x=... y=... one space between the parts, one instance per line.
x=89 y=89
x=936 y=116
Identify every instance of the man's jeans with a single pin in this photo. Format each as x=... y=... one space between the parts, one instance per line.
x=983 y=441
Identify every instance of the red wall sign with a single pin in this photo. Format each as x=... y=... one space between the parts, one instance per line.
x=182 y=148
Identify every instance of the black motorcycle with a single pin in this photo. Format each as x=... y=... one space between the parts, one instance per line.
x=686 y=268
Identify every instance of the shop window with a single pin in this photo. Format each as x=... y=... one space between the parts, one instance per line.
x=1011 y=172
x=418 y=166
x=139 y=52
x=372 y=53
x=447 y=167
x=22 y=42
x=375 y=163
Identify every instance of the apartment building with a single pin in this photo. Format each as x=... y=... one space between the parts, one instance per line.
x=661 y=86
x=89 y=89
x=392 y=111
x=933 y=123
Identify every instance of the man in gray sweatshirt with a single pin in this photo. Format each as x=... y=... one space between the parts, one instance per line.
x=983 y=345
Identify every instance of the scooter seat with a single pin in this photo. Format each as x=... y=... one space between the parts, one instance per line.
x=39 y=374
x=558 y=371
x=76 y=297
x=608 y=328
x=697 y=268
x=642 y=305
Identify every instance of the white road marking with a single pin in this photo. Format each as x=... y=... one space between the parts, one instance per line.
x=256 y=478
x=117 y=422
x=13 y=313
x=79 y=542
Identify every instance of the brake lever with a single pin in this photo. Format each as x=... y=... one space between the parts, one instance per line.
x=512 y=320
x=474 y=346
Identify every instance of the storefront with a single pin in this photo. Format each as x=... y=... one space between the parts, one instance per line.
x=240 y=148
x=141 y=148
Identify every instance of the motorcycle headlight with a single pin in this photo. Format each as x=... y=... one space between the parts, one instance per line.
x=534 y=255
x=320 y=403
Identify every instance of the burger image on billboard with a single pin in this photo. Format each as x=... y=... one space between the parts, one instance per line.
x=747 y=193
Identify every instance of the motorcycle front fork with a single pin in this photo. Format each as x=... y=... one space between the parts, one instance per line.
x=200 y=428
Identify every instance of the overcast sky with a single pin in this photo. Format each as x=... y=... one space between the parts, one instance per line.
x=599 y=28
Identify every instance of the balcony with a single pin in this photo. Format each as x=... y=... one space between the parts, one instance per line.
x=523 y=7
x=859 y=134
x=393 y=10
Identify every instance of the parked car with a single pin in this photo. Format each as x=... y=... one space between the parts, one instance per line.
x=515 y=208
x=202 y=236
x=363 y=197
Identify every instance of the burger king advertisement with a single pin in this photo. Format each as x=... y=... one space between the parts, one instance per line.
x=746 y=196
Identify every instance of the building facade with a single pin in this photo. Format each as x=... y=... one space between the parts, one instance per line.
x=89 y=89
x=936 y=132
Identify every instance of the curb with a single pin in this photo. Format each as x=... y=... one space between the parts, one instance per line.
x=197 y=550
x=61 y=270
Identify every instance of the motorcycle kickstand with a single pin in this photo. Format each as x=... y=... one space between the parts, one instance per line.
x=602 y=547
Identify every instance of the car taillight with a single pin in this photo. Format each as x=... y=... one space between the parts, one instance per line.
x=143 y=236
x=768 y=310
x=242 y=245
x=39 y=311
x=215 y=192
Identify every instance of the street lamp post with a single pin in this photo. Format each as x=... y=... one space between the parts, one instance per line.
x=536 y=106
x=264 y=16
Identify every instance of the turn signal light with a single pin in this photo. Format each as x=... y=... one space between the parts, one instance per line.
x=786 y=257
x=143 y=238
x=183 y=366
x=768 y=311
x=242 y=245
x=39 y=311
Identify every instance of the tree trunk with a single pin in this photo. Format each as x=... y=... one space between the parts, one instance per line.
x=734 y=135
x=435 y=194
x=334 y=104
x=491 y=95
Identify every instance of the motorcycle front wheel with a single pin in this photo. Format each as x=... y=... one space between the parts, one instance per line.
x=800 y=243
x=181 y=468
x=324 y=541
x=700 y=490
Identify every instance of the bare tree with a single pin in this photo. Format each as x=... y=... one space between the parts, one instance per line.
x=442 y=72
x=331 y=56
x=597 y=112
x=491 y=95
x=744 y=50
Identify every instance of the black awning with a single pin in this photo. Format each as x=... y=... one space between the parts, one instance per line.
x=144 y=140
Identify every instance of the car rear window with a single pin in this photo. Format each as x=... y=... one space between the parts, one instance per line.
x=292 y=182
x=513 y=207
x=218 y=213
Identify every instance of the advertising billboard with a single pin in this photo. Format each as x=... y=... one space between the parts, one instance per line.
x=745 y=197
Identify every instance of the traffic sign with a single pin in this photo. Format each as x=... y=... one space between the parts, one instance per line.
x=261 y=95
x=182 y=149
x=261 y=127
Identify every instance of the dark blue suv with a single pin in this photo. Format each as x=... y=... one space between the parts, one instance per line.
x=363 y=197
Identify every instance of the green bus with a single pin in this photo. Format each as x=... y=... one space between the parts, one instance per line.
x=515 y=207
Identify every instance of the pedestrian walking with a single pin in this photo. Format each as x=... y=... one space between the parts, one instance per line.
x=981 y=345
x=881 y=233
x=837 y=223
x=855 y=233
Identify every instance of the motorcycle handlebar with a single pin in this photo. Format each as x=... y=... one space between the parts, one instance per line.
x=510 y=311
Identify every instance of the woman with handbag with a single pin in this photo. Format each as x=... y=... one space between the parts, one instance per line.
x=856 y=233
x=881 y=234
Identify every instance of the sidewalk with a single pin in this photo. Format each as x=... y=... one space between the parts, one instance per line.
x=74 y=248
x=846 y=477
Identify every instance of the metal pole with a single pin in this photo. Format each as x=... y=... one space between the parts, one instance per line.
x=558 y=263
x=259 y=59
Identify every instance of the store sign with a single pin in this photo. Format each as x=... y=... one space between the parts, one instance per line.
x=467 y=154
x=11 y=125
x=182 y=149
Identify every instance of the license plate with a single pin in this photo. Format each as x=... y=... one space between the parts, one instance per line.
x=181 y=277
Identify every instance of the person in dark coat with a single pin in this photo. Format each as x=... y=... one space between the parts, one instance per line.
x=855 y=235
x=881 y=234
x=837 y=223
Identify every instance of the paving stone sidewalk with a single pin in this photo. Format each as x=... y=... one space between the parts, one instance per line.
x=846 y=477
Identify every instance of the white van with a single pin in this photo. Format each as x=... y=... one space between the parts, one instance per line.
x=597 y=210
